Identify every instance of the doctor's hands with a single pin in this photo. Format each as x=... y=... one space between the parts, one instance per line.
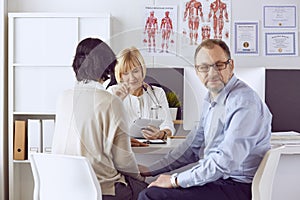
x=152 y=133
x=121 y=90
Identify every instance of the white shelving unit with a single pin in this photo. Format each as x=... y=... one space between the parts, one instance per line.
x=41 y=50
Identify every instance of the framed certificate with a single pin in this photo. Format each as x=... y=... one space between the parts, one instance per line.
x=281 y=43
x=246 y=38
x=280 y=16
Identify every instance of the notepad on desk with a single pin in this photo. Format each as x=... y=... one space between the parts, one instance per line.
x=157 y=141
x=135 y=130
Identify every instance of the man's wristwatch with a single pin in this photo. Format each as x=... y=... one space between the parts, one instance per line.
x=173 y=180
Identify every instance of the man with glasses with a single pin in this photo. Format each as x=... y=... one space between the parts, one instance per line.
x=227 y=146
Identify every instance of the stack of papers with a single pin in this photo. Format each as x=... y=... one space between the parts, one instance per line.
x=288 y=137
x=157 y=141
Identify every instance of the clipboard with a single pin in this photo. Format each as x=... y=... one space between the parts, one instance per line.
x=140 y=123
x=157 y=141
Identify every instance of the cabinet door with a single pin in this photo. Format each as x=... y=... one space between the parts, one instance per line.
x=43 y=52
x=45 y=41
x=36 y=89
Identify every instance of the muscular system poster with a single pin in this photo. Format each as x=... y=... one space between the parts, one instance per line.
x=160 y=28
x=203 y=19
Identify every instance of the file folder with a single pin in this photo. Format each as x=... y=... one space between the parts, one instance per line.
x=34 y=136
x=47 y=133
x=20 y=140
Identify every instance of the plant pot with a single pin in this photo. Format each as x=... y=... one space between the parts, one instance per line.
x=173 y=112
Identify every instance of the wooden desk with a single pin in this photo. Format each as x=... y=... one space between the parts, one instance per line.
x=178 y=122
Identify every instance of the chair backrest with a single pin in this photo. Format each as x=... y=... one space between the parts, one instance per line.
x=62 y=177
x=278 y=175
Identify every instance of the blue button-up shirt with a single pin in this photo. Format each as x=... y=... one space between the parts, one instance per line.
x=231 y=139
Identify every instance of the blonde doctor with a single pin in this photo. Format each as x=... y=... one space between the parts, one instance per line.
x=139 y=98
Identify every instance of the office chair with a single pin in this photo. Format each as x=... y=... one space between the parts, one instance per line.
x=278 y=175
x=62 y=177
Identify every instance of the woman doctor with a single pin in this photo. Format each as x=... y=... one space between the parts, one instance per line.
x=140 y=99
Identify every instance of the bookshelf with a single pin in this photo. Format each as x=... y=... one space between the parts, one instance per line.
x=41 y=47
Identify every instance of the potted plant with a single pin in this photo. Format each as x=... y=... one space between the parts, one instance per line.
x=174 y=103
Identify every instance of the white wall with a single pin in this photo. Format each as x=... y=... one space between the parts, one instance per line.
x=127 y=24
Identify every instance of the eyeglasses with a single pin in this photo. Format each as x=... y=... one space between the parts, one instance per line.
x=219 y=66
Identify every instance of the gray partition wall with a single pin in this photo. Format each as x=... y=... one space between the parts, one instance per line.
x=283 y=98
x=170 y=79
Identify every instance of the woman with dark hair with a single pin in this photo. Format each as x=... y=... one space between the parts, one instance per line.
x=91 y=122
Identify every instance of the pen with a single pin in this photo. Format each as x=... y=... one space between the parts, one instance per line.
x=176 y=137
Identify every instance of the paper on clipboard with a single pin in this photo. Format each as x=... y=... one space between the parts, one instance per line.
x=138 y=124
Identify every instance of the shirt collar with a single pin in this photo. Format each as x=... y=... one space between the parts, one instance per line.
x=90 y=84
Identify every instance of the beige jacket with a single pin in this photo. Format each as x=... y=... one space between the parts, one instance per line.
x=91 y=122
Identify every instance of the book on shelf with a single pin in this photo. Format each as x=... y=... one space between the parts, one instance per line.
x=47 y=133
x=20 y=140
x=34 y=136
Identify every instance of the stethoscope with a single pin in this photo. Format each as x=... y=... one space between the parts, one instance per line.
x=154 y=100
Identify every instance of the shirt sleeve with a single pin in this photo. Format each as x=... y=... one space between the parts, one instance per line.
x=245 y=131
x=164 y=111
x=186 y=153
x=123 y=156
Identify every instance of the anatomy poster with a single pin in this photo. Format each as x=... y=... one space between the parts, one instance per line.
x=203 y=19
x=160 y=27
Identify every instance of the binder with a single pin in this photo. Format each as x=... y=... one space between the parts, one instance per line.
x=47 y=133
x=34 y=136
x=20 y=140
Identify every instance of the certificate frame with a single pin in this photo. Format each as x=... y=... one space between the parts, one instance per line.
x=246 y=38
x=280 y=16
x=281 y=43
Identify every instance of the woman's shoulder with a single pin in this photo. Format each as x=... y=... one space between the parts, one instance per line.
x=106 y=96
x=157 y=88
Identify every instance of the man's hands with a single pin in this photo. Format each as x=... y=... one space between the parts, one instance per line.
x=162 y=181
